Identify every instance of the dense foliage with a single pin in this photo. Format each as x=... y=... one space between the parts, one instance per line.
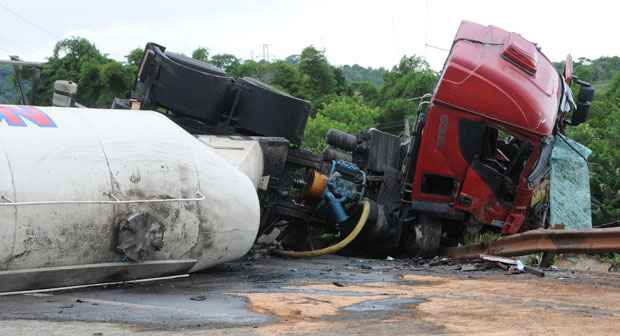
x=350 y=98
x=100 y=78
x=601 y=133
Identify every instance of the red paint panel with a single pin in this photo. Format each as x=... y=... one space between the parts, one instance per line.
x=440 y=157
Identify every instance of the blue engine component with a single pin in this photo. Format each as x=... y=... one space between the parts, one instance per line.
x=336 y=207
x=345 y=184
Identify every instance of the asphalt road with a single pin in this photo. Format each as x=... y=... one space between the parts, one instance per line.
x=329 y=296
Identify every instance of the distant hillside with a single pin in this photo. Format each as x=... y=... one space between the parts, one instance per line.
x=357 y=73
x=600 y=71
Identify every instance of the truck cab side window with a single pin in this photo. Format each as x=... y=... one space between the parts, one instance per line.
x=495 y=155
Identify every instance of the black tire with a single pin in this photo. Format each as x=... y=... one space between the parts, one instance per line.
x=424 y=237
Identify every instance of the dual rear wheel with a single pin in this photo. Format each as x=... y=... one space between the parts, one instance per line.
x=424 y=236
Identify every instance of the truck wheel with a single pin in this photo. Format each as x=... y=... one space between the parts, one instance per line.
x=424 y=237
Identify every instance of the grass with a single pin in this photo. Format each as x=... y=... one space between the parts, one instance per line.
x=613 y=259
x=481 y=238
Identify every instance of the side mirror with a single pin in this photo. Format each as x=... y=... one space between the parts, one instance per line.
x=584 y=101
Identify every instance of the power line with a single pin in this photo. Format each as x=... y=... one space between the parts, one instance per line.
x=436 y=47
x=19 y=16
x=427 y=22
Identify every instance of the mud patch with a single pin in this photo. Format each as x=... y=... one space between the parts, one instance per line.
x=302 y=306
x=521 y=306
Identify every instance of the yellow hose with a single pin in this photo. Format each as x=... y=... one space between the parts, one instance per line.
x=336 y=247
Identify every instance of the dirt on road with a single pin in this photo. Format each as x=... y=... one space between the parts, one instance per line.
x=330 y=296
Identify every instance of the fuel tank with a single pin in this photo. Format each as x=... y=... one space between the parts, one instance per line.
x=88 y=186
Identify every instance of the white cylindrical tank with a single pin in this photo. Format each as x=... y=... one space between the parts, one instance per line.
x=86 y=186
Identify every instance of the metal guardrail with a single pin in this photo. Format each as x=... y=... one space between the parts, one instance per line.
x=551 y=240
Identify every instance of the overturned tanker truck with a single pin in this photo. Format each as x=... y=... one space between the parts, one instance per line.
x=189 y=171
x=479 y=157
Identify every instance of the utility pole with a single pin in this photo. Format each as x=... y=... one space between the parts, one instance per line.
x=265 y=47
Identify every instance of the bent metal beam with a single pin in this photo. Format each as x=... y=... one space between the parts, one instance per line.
x=558 y=241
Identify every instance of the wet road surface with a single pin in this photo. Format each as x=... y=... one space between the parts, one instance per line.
x=330 y=295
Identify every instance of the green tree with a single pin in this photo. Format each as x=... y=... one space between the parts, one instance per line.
x=601 y=133
x=342 y=86
x=348 y=114
x=135 y=57
x=90 y=85
x=366 y=90
x=116 y=81
x=201 y=54
x=318 y=76
x=259 y=70
x=99 y=78
x=288 y=78
x=227 y=62
x=584 y=72
x=411 y=78
x=73 y=59
x=132 y=65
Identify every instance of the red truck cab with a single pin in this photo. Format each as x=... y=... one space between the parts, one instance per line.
x=482 y=145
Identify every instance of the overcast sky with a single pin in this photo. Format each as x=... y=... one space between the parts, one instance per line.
x=370 y=33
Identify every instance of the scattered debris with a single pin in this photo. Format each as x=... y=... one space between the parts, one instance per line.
x=338 y=284
x=66 y=306
x=516 y=265
x=198 y=298
x=535 y=271
x=503 y=266
x=502 y=260
x=388 y=258
x=438 y=261
x=469 y=268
